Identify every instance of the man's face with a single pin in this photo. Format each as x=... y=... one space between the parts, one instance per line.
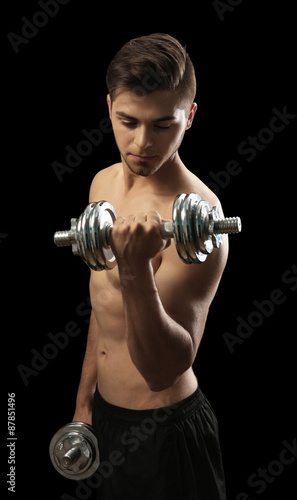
x=148 y=131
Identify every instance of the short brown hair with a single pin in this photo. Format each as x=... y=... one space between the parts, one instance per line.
x=153 y=62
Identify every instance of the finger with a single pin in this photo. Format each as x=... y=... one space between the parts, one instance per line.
x=127 y=220
x=168 y=243
x=141 y=217
x=119 y=221
x=154 y=216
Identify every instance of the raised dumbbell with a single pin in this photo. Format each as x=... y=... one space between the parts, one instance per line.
x=196 y=228
x=74 y=451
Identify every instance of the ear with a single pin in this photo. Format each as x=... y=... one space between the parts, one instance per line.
x=191 y=115
x=109 y=104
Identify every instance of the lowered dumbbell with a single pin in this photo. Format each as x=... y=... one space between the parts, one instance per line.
x=74 y=451
x=196 y=228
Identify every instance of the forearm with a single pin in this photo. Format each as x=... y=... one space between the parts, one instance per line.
x=160 y=348
x=88 y=378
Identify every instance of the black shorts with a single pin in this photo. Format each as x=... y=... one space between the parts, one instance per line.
x=166 y=453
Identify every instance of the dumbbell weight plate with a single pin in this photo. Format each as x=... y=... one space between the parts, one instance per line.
x=202 y=224
x=91 y=243
x=102 y=213
x=184 y=228
x=74 y=451
x=178 y=229
x=217 y=239
x=94 y=235
x=106 y=216
x=83 y=237
x=191 y=238
x=187 y=228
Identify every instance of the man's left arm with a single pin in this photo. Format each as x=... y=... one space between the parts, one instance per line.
x=165 y=314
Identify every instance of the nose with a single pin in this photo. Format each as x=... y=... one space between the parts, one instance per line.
x=142 y=138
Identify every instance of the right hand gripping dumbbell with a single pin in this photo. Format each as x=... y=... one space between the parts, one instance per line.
x=74 y=451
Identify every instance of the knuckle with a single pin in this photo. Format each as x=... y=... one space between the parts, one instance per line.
x=118 y=221
x=154 y=213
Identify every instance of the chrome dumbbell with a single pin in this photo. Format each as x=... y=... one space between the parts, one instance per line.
x=74 y=451
x=196 y=228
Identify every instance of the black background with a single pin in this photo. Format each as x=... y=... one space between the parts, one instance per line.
x=53 y=88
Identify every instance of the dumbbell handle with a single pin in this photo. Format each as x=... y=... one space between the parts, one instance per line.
x=220 y=226
x=227 y=225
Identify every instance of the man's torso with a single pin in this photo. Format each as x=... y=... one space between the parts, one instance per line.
x=119 y=381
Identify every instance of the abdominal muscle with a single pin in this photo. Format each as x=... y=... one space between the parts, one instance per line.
x=119 y=382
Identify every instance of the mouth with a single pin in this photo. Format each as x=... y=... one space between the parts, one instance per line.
x=143 y=158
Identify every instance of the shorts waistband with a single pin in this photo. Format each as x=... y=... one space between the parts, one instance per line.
x=167 y=414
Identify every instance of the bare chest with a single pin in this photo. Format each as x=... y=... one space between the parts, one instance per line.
x=106 y=299
x=106 y=286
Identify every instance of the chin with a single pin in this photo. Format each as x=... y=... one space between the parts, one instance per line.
x=141 y=168
x=142 y=171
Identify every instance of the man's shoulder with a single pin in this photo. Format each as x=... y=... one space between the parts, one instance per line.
x=106 y=173
x=103 y=180
x=194 y=184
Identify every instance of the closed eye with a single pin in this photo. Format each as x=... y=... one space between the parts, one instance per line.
x=129 y=124
x=163 y=127
x=134 y=124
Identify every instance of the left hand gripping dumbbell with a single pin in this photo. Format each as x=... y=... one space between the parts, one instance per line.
x=196 y=228
x=74 y=451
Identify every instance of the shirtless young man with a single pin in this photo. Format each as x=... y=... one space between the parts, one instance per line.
x=156 y=431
